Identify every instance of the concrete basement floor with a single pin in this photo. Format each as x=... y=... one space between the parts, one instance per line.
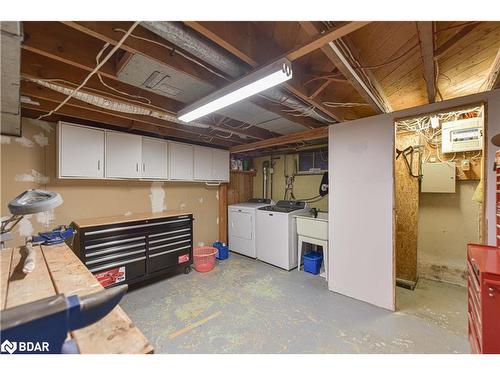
x=246 y=306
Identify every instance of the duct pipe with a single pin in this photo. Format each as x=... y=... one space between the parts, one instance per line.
x=198 y=46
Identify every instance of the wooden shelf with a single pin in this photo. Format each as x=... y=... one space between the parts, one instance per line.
x=252 y=173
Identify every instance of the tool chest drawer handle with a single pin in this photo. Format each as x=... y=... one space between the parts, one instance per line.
x=109 y=230
x=116 y=264
x=169 y=244
x=115 y=256
x=171 y=238
x=169 y=251
x=116 y=242
x=112 y=249
x=170 y=232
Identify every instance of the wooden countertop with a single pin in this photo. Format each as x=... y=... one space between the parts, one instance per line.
x=106 y=220
x=58 y=270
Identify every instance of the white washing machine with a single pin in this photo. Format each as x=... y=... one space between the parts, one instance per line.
x=241 y=226
x=277 y=233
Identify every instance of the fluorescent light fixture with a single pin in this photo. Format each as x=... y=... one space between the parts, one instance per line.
x=434 y=122
x=253 y=83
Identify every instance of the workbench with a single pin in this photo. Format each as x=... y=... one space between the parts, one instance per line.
x=58 y=270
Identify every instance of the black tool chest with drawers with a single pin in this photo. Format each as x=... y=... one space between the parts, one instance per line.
x=134 y=250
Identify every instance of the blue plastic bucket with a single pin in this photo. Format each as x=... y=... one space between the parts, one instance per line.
x=223 y=250
x=312 y=262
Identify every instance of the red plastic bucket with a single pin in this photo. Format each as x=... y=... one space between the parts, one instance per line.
x=204 y=258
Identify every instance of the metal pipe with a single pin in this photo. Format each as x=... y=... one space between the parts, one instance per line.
x=265 y=168
x=190 y=41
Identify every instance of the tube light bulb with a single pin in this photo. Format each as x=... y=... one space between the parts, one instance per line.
x=243 y=89
x=434 y=122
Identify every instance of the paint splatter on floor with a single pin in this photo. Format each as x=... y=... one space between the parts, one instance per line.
x=246 y=306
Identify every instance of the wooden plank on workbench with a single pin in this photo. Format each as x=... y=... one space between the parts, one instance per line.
x=69 y=274
x=24 y=288
x=115 y=333
x=5 y=259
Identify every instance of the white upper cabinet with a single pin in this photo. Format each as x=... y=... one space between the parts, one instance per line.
x=203 y=160
x=154 y=159
x=123 y=155
x=85 y=152
x=211 y=164
x=180 y=161
x=220 y=165
x=81 y=151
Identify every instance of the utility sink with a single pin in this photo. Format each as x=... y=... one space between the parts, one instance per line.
x=309 y=226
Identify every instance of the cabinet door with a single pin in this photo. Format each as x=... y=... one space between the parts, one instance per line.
x=154 y=159
x=81 y=151
x=123 y=155
x=203 y=158
x=180 y=161
x=220 y=171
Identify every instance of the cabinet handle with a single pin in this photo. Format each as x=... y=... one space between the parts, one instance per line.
x=98 y=165
x=137 y=167
x=144 y=167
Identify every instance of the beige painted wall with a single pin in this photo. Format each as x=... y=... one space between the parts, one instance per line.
x=447 y=223
x=306 y=186
x=30 y=162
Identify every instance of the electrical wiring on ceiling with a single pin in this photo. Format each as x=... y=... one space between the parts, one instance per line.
x=98 y=66
x=344 y=105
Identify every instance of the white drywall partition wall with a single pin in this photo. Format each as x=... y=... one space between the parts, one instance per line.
x=361 y=203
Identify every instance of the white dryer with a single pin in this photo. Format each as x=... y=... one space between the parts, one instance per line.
x=242 y=228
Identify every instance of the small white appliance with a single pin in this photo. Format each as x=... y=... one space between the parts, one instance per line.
x=277 y=233
x=241 y=226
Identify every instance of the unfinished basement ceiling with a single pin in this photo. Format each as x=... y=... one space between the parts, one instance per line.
x=395 y=62
x=163 y=80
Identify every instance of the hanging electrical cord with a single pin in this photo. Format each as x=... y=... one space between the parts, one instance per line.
x=99 y=66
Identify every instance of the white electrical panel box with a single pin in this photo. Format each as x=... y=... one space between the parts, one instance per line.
x=438 y=177
x=462 y=135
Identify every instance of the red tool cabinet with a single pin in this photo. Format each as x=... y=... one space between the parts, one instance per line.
x=483 y=296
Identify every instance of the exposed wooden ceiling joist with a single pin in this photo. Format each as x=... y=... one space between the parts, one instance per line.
x=454 y=39
x=318 y=41
x=50 y=98
x=257 y=50
x=307 y=135
x=91 y=118
x=104 y=32
x=493 y=79
x=426 y=39
x=347 y=71
x=41 y=67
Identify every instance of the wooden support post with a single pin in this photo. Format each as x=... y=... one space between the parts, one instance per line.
x=223 y=213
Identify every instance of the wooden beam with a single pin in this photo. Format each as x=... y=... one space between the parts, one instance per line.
x=321 y=40
x=493 y=79
x=256 y=50
x=104 y=31
x=426 y=40
x=320 y=88
x=454 y=39
x=347 y=71
x=108 y=33
x=34 y=66
x=307 y=135
x=50 y=98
